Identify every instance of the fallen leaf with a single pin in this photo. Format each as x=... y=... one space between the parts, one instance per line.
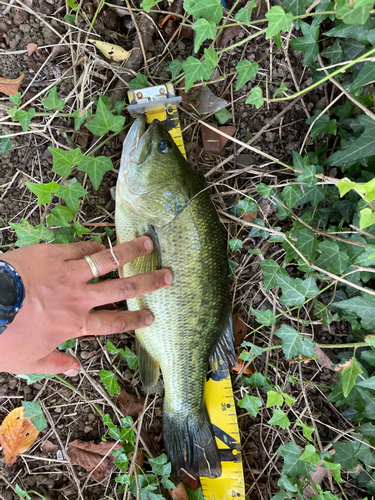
x=20 y=17
x=129 y=404
x=151 y=444
x=31 y=48
x=323 y=359
x=240 y=329
x=249 y=217
x=88 y=455
x=110 y=51
x=180 y=493
x=341 y=368
x=17 y=434
x=316 y=477
x=9 y=86
x=191 y=481
x=212 y=141
x=248 y=371
x=228 y=34
x=208 y=101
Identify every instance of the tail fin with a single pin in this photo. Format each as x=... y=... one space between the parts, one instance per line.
x=190 y=444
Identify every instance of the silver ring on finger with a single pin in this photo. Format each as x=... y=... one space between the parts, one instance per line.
x=93 y=265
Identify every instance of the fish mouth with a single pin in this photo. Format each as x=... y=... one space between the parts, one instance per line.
x=137 y=143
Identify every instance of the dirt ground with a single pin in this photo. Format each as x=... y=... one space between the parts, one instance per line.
x=44 y=467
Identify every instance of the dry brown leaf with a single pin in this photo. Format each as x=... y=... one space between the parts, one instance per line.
x=341 y=368
x=323 y=359
x=17 y=434
x=249 y=217
x=300 y=358
x=129 y=404
x=8 y=86
x=240 y=329
x=228 y=34
x=180 y=493
x=49 y=447
x=191 y=481
x=88 y=455
x=248 y=371
x=31 y=48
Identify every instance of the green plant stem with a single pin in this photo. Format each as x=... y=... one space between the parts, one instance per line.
x=327 y=346
x=70 y=386
x=327 y=77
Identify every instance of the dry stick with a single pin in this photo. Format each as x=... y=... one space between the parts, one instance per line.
x=353 y=99
x=66 y=456
x=139 y=35
x=317 y=118
x=7 y=9
x=256 y=136
x=313 y=266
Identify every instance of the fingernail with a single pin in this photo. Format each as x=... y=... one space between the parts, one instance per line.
x=72 y=372
x=148 y=244
x=149 y=319
x=168 y=278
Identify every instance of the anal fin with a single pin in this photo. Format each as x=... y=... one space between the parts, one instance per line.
x=148 y=367
x=224 y=349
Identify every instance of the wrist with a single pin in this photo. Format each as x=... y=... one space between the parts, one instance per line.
x=12 y=294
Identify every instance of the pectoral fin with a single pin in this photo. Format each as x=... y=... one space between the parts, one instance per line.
x=151 y=261
x=148 y=367
x=224 y=349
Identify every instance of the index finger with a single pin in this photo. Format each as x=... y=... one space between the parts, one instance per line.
x=118 y=256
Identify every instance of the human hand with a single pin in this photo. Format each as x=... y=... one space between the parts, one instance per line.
x=58 y=300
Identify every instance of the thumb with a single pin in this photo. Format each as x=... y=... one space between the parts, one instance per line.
x=58 y=362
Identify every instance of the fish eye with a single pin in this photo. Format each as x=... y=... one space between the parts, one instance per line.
x=165 y=146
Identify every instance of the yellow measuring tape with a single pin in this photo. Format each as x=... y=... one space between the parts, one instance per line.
x=161 y=103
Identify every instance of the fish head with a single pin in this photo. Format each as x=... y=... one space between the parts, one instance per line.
x=155 y=181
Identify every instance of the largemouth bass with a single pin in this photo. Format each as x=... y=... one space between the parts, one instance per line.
x=160 y=196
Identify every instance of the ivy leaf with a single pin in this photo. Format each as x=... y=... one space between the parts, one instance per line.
x=211 y=10
x=232 y=264
x=321 y=311
x=274 y=399
x=60 y=216
x=110 y=383
x=174 y=67
x=21 y=493
x=310 y=455
x=24 y=117
x=294 y=343
x=15 y=99
x=30 y=235
x=307 y=43
x=333 y=53
x=255 y=97
x=366 y=75
x=270 y=269
x=294 y=292
x=296 y=7
x=368 y=384
x=43 y=191
x=278 y=21
x=308 y=171
x=148 y=4
x=79 y=117
x=95 y=168
x=265 y=318
x=349 y=375
x=363 y=147
x=363 y=307
x=160 y=465
x=63 y=160
x=357 y=13
x=139 y=82
x=34 y=412
x=52 y=101
x=211 y=57
x=335 y=468
x=195 y=70
x=251 y=404
x=279 y=418
x=264 y=190
x=223 y=115
x=306 y=430
x=292 y=465
x=367 y=218
x=344 y=186
x=246 y=70
x=259 y=233
x=345 y=455
x=331 y=258
x=322 y=124
x=5 y=144
x=130 y=358
x=71 y=194
x=244 y=14
x=104 y=120
x=113 y=430
x=31 y=378
x=204 y=30
x=121 y=459
x=282 y=89
x=235 y=244
x=254 y=351
x=247 y=205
